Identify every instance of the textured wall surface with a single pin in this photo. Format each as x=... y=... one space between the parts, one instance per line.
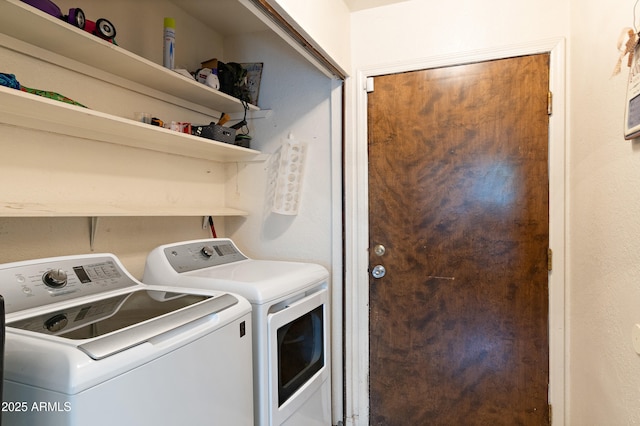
x=604 y=203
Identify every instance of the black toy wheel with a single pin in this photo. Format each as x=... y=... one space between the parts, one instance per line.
x=105 y=28
x=77 y=18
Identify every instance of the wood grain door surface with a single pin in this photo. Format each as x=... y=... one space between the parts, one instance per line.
x=458 y=197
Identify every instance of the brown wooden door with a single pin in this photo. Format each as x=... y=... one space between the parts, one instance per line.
x=458 y=196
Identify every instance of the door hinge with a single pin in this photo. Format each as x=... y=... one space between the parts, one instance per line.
x=549 y=102
x=369 y=85
x=549 y=259
x=550 y=414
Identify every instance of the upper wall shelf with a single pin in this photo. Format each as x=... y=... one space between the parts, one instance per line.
x=26 y=23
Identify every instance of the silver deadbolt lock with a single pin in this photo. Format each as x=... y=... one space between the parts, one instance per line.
x=378 y=271
x=379 y=250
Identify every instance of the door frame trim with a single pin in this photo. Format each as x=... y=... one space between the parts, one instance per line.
x=356 y=327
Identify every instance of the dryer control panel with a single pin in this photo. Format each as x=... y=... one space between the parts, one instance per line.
x=194 y=255
x=37 y=283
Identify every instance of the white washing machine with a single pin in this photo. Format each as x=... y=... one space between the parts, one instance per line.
x=87 y=344
x=290 y=321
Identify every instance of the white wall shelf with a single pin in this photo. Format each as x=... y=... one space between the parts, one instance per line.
x=10 y=209
x=35 y=112
x=26 y=23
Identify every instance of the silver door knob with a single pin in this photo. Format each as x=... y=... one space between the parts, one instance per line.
x=379 y=250
x=378 y=271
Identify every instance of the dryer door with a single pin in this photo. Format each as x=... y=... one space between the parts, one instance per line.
x=298 y=353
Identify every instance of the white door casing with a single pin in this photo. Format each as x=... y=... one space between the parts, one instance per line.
x=356 y=284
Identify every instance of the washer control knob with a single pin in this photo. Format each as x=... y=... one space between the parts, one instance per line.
x=56 y=323
x=55 y=278
x=207 y=251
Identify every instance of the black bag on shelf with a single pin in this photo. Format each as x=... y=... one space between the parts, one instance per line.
x=233 y=80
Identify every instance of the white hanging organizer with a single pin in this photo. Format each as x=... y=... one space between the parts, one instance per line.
x=286 y=176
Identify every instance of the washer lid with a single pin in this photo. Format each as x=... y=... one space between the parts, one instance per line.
x=139 y=332
x=259 y=281
x=107 y=326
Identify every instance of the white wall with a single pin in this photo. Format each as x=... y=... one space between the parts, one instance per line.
x=300 y=105
x=604 y=272
x=421 y=28
x=139 y=29
x=129 y=238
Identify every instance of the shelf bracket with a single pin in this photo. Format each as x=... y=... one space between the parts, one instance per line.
x=94 y=228
x=252 y=115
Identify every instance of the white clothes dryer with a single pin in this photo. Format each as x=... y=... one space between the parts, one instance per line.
x=87 y=344
x=290 y=317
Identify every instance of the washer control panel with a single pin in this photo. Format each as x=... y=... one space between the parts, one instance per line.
x=191 y=256
x=26 y=285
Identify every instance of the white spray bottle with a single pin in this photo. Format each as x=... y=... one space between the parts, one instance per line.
x=169 y=43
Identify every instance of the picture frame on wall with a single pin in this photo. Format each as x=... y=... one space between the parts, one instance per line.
x=254 y=75
x=632 y=107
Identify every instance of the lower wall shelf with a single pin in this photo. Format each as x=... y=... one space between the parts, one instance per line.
x=8 y=209
x=34 y=112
